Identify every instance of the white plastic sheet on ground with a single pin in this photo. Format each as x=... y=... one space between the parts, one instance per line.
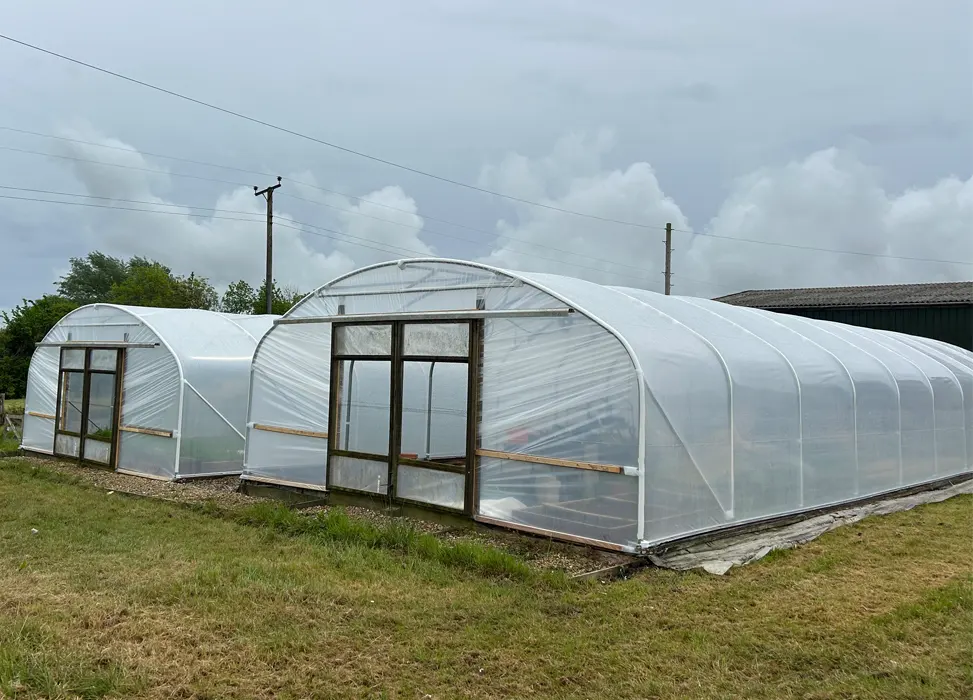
x=718 y=415
x=193 y=383
x=720 y=554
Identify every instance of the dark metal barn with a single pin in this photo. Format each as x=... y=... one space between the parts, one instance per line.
x=940 y=310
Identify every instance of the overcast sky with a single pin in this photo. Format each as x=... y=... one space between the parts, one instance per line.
x=816 y=123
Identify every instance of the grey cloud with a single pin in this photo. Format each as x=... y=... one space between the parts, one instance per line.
x=703 y=91
x=698 y=91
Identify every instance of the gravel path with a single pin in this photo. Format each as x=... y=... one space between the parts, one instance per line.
x=537 y=552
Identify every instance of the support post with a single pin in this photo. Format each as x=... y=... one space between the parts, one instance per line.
x=268 y=194
x=668 y=258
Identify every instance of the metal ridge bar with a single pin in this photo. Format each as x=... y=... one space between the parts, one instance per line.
x=456 y=314
x=343 y=292
x=94 y=344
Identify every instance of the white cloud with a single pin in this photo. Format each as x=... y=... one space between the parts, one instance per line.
x=828 y=200
x=831 y=200
x=572 y=178
x=387 y=218
x=230 y=243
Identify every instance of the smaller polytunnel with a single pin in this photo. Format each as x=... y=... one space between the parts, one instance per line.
x=602 y=414
x=155 y=392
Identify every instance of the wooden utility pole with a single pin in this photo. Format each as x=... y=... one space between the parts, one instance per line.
x=668 y=258
x=268 y=194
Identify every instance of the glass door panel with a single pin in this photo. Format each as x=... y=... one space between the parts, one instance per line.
x=434 y=411
x=432 y=459
x=72 y=398
x=86 y=411
x=360 y=438
x=414 y=374
x=100 y=426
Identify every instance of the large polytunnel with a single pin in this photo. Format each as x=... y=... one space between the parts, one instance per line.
x=607 y=415
x=154 y=392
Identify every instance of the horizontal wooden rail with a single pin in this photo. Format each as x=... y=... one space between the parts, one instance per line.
x=289 y=431
x=551 y=461
x=146 y=431
x=35 y=414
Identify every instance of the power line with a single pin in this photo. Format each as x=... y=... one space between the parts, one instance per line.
x=824 y=250
x=122 y=165
x=129 y=201
x=301 y=226
x=236 y=211
x=329 y=144
x=434 y=232
x=125 y=149
x=309 y=201
x=343 y=236
x=108 y=206
x=424 y=216
x=242 y=170
x=406 y=211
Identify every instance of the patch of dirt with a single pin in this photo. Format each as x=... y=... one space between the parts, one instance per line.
x=538 y=552
x=222 y=491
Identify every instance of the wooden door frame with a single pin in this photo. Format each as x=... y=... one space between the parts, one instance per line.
x=86 y=371
x=397 y=360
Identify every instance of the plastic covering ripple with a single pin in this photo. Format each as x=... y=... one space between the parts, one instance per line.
x=742 y=415
x=192 y=382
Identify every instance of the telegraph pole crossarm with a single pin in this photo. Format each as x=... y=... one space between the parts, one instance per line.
x=268 y=194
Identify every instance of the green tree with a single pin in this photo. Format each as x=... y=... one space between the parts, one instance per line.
x=139 y=282
x=24 y=327
x=91 y=278
x=239 y=298
x=283 y=299
x=154 y=284
x=196 y=293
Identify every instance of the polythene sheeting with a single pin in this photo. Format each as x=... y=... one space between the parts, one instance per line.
x=289 y=389
x=743 y=414
x=41 y=398
x=201 y=363
x=718 y=554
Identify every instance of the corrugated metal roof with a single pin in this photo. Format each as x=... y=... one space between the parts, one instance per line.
x=932 y=294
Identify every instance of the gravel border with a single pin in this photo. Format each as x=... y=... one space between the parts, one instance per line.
x=537 y=552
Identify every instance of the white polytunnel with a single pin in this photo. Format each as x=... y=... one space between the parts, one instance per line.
x=606 y=415
x=154 y=392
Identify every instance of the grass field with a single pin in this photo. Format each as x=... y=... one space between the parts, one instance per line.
x=15 y=406
x=122 y=597
x=9 y=442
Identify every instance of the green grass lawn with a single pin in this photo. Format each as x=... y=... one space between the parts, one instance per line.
x=123 y=597
x=15 y=406
x=8 y=442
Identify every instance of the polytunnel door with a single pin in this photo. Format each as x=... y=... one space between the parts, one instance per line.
x=87 y=405
x=400 y=412
x=433 y=466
